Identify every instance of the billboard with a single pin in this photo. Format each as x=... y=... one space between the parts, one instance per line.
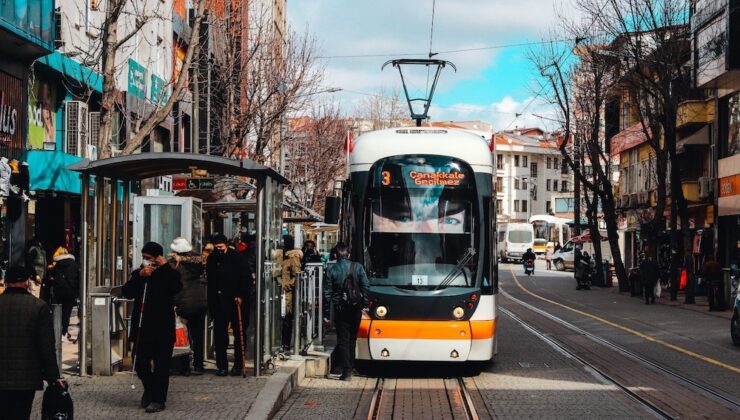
x=42 y=103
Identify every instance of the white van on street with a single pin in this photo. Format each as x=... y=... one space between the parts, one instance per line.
x=514 y=239
x=564 y=257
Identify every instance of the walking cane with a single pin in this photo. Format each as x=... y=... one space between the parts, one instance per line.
x=241 y=338
x=138 y=334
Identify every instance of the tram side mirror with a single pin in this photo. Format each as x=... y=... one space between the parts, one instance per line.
x=331 y=210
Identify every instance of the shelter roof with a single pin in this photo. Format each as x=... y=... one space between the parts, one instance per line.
x=150 y=165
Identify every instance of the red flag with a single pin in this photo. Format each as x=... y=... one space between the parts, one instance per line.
x=348 y=145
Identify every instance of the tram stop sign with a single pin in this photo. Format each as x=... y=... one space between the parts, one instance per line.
x=179 y=184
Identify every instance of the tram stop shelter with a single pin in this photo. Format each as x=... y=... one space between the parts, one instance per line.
x=107 y=249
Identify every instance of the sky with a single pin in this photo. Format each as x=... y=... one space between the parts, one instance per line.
x=491 y=84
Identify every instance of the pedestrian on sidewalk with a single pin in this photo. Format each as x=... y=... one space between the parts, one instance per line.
x=649 y=272
x=64 y=285
x=153 y=287
x=27 y=352
x=191 y=303
x=36 y=262
x=348 y=291
x=229 y=281
x=291 y=266
x=713 y=274
x=548 y=256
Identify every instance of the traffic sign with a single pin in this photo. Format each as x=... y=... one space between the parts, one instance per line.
x=179 y=184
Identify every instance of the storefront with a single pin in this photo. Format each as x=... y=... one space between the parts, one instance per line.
x=728 y=202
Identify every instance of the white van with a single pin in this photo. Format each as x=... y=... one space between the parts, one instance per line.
x=514 y=239
x=564 y=258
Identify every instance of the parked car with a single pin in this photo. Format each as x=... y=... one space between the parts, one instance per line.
x=564 y=257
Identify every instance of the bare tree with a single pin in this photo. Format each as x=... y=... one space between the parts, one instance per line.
x=379 y=111
x=578 y=90
x=261 y=75
x=654 y=47
x=112 y=43
x=315 y=145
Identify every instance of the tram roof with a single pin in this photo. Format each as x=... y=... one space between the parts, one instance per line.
x=461 y=144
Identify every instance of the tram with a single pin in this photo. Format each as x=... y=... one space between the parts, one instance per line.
x=418 y=213
x=550 y=229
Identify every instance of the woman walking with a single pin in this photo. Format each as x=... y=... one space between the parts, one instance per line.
x=64 y=285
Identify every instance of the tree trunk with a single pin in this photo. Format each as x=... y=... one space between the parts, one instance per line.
x=110 y=93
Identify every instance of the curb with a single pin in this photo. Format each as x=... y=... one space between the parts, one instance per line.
x=277 y=390
x=281 y=384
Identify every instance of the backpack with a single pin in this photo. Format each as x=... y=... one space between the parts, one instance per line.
x=351 y=292
x=57 y=403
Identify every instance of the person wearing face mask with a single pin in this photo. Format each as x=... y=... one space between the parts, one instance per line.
x=153 y=288
x=229 y=282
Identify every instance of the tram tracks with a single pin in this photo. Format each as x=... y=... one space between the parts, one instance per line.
x=659 y=389
x=440 y=398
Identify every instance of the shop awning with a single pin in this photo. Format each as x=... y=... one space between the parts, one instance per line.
x=627 y=139
x=701 y=137
x=149 y=165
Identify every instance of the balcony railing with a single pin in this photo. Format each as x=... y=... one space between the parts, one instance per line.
x=695 y=112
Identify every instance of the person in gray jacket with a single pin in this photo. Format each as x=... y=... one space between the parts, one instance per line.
x=27 y=352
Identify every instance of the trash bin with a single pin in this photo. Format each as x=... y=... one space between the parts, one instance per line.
x=108 y=333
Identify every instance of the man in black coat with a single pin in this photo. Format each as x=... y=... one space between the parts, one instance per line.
x=156 y=283
x=229 y=281
x=649 y=272
x=27 y=355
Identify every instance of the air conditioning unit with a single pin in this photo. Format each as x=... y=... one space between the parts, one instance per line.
x=94 y=125
x=75 y=128
x=706 y=187
x=58 y=42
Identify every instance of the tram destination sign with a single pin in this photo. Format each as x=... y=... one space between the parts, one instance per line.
x=180 y=184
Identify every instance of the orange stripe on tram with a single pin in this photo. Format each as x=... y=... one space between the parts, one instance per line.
x=425 y=330
x=483 y=329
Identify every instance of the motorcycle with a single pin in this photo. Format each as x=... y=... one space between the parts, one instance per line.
x=529 y=267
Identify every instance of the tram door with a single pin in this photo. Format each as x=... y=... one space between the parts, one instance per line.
x=162 y=219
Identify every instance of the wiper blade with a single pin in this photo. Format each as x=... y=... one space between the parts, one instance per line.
x=460 y=264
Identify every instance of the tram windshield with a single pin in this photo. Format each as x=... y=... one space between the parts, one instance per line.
x=421 y=220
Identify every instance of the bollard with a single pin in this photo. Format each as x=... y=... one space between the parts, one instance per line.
x=297 y=317
x=56 y=310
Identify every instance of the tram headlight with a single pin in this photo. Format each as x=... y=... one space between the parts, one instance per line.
x=381 y=311
x=458 y=312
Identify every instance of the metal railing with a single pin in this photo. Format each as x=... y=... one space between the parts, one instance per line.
x=308 y=309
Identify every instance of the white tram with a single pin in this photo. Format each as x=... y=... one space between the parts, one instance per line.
x=418 y=213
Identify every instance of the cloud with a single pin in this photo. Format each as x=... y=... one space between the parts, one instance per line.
x=501 y=114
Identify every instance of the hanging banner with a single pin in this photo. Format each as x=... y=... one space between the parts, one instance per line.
x=11 y=114
x=41 y=114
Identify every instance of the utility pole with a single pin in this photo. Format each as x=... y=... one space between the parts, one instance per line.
x=576 y=189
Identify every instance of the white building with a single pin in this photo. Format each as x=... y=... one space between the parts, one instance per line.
x=529 y=171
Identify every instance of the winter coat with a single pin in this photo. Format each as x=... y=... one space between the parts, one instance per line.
x=290 y=265
x=229 y=277
x=712 y=272
x=337 y=273
x=64 y=279
x=36 y=261
x=649 y=273
x=27 y=355
x=162 y=285
x=191 y=300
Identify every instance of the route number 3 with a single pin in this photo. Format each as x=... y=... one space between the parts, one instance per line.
x=386 y=178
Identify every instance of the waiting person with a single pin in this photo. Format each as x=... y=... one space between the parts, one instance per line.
x=310 y=254
x=291 y=265
x=36 y=262
x=153 y=288
x=347 y=314
x=64 y=285
x=27 y=350
x=548 y=256
x=649 y=273
x=229 y=280
x=191 y=303
x=713 y=274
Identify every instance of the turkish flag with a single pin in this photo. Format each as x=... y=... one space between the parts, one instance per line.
x=348 y=146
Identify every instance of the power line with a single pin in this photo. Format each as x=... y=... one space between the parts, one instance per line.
x=463 y=50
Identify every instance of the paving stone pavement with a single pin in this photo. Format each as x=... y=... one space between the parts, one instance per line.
x=318 y=398
x=204 y=397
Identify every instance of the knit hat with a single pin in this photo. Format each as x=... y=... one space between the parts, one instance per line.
x=220 y=239
x=152 y=248
x=16 y=274
x=180 y=245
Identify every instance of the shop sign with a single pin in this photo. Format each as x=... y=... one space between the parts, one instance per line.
x=729 y=186
x=159 y=93
x=136 y=79
x=11 y=133
x=41 y=115
x=180 y=184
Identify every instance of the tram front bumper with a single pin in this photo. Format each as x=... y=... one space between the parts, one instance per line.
x=453 y=341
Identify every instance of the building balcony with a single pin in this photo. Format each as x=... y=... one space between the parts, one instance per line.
x=695 y=112
x=27 y=30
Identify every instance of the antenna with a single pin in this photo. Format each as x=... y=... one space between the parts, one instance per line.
x=425 y=101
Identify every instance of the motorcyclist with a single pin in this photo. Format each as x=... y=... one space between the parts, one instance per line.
x=529 y=255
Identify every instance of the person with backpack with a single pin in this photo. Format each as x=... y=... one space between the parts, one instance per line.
x=348 y=291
